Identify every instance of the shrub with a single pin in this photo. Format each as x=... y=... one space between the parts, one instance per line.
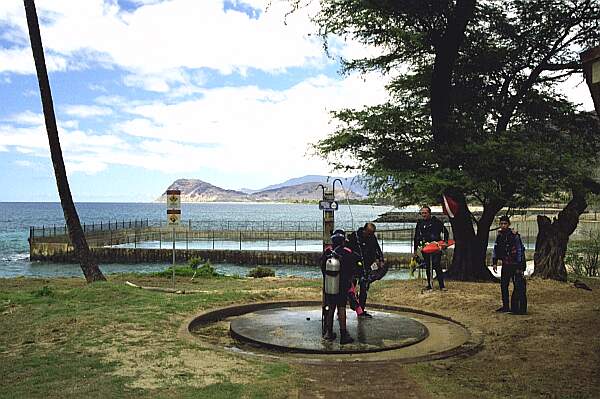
x=206 y=270
x=194 y=263
x=261 y=271
x=44 y=291
x=584 y=255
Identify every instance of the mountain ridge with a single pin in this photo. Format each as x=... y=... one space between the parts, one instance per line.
x=196 y=190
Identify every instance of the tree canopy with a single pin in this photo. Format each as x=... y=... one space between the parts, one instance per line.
x=474 y=103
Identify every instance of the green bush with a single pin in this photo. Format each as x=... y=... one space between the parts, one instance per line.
x=584 y=255
x=206 y=270
x=44 y=291
x=195 y=262
x=261 y=271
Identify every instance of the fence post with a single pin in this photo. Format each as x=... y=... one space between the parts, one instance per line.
x=54 y=230
x=240 y=240
x=213 y=237
x=111 y=241
x=43 y=231
x=135 y=238
x=160 y=239
x=186 y=239
x=294 y=241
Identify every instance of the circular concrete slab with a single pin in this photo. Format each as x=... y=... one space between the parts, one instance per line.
x=444 y=338
x=298 y=329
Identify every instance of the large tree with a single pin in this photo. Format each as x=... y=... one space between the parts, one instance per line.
x=90 y=268
x=474 y=110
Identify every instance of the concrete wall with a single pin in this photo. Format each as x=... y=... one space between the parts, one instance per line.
x=64 y=253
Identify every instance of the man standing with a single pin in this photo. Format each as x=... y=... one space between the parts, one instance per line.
x=430 y=229
x=509 y=250
x=337 y=265
x=364 y=243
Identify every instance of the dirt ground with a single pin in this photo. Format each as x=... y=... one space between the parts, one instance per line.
x=553 y=351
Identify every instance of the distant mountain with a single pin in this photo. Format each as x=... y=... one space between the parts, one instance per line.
x=298 y=192
x=248 y=190
x=349 y=183
x=195 y=190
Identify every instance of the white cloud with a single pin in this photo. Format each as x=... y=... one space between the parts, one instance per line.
x=230 y=129
x=174 y=48
x=257 y=130
x=27 y=118
x=88 y=167
x=166 y=36
x=86 y=111
x=20 y=60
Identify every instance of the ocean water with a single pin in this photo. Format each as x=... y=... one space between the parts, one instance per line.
x=17 y=218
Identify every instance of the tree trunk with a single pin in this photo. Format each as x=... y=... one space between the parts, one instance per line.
x=447 y=49
x=90 y=269
x=553 y=237
x=468 y=263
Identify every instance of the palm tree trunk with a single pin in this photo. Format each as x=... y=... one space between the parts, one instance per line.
x=90 y=268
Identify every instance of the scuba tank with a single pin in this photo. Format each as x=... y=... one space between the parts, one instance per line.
x=332 y=275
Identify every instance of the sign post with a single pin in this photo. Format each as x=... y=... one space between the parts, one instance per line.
x=329 y=206
x=173 y=217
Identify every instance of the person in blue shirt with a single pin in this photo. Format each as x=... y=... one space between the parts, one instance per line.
x=508 y=249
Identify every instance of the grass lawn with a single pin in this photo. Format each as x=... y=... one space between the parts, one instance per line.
x=63 y=338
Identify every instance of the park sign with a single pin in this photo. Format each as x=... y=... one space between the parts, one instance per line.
x=173 y=207
x=173 y=199
x=174 y=216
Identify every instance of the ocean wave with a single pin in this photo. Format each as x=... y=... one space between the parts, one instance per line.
x=15 y=257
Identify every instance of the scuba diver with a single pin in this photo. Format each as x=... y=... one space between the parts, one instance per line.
x=509 y=249
x=364 y=243
x=337 y=265
x=430 y=229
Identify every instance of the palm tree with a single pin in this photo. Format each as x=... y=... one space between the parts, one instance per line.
x=90 y=268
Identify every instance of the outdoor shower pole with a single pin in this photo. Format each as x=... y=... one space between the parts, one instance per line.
x=173 y=256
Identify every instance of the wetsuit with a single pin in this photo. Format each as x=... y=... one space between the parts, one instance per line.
x=509 y=249
x=428 y=231
x=348 y=261
x=369 y=251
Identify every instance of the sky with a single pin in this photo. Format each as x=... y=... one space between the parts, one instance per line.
x=232 y=92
